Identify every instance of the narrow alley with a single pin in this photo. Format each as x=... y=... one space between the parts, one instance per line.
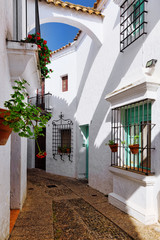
x=64 y=208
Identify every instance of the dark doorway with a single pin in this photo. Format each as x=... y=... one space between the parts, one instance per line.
x=41 y=162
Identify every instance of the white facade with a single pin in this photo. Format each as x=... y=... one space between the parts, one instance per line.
x=15 y=59
x=96 y=71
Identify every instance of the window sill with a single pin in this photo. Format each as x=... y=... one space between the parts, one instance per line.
x=134 y=92
x=142 y=179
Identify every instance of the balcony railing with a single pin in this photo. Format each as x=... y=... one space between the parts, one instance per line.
x=42 y=101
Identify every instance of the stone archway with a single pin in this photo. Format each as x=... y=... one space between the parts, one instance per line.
x=90 y=24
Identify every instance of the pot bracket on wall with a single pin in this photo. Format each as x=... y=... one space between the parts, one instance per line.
x=62 y=138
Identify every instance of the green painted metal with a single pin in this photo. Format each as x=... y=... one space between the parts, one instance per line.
x=132 y=119
x=138 y=16
x=85 y=130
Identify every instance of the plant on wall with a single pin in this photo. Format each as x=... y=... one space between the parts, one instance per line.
x=113 y=146
x=22 y=117
x=135 y=146
x=43 y=52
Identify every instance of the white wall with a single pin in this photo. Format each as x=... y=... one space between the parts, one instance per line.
x=4 y=150
x=64 y=102
x=99 y=71
x=16 y=170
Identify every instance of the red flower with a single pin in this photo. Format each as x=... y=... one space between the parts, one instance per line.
x=45 y=59
x=45 y=48
x=30 y=36
x=38 y=33
x=41 y=154
x=44 y=42
x=44 y=54
x=39 y=46
x=38 y=38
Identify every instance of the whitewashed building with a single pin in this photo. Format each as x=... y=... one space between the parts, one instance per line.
x=18 y=60
x=105 y=85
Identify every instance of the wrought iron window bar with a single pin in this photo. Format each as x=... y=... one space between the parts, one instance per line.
x=42 y=101
x=62 y=138
x=133 y=21
x=127 y=122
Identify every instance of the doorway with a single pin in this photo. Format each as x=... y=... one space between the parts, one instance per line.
x=41 y=162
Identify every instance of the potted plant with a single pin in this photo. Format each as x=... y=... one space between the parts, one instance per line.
x=5 y=131
x=135 y=146
x=113 y=146
x=68 y=149
x=24 y=118
x=64 y=149
x=59 y=149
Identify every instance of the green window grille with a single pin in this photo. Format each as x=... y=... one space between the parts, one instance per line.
x=132 y=124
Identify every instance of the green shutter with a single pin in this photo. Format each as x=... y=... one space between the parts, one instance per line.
x=137 y=10
x=134 y=116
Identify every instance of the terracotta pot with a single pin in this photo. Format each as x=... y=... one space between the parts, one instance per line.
x=5 y=131
x=114 y=147
x=134 y=148
x=68 y=150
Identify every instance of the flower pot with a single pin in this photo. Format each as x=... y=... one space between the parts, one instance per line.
x=134 y=148
x=114 y=147
x=5 y=131
x=68 y=150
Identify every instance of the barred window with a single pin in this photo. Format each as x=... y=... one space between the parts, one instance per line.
x=132 y=21
x=62 y=138
x=131 y=128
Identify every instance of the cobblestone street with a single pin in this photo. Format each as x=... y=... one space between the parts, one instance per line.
x=67 y=209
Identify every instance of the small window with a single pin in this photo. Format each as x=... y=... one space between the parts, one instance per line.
x=66 y=138
x=133 y=21
x=65 y=83
x=62 y=138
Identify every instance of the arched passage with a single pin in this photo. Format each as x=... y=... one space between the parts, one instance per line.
x=90 y=24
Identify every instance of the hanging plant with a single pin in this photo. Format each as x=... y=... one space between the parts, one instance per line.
x=135 y=146
x=43 y=52
x=25 y=119
x=113 y=146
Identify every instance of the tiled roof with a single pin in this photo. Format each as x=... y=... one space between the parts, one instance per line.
x=69 y=44
x=97 y=3
x=76 y=7
x=77 y=36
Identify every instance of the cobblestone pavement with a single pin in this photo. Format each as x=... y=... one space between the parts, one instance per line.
x=60 y=208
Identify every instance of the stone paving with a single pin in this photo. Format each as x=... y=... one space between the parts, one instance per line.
x=61 y=208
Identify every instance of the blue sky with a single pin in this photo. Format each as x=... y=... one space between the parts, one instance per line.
x=58 y=34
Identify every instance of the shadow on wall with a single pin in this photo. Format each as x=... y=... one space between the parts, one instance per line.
x=93 y=51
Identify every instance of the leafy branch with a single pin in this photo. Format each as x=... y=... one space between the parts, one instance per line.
x=25 y=119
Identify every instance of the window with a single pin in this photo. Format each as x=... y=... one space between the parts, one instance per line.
x=65 y=138
x=131 y=124
x=133 y=21
x=62 y=138
x=65 y=83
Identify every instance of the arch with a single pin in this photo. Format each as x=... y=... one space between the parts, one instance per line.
x=90 y=24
